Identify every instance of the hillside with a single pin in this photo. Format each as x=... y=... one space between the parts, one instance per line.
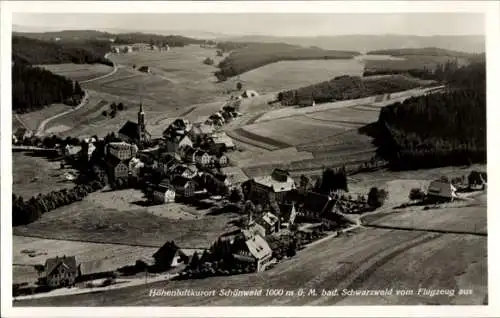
x=365 y=43
x=171 y=40
x=348 y=87
x=438 y=129
x=253 y=55
x=34 y=88
x=35 y=52
x=66 y=35
x=425 y=51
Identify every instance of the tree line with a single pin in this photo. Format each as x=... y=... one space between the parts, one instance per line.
x=34 y=88
x=30 y=210
x=439 y=129
x=346 y=87
x=156 y=39
x=37 y=52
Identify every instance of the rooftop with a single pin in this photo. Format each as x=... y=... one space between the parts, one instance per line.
x=275 y=185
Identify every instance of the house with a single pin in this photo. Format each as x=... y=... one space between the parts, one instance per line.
x=122 y=150
x=167 y=160
x=222 y=160
x=250 y=229
x=22 y=133
x=185 y=171
x=71 y=150
x=95 y=269
x=183 y=186
x=117 y=169
x=253 y=249
x=179 y=126
x=270 y=222
x=249 y=94
x=164 y=193
x=316 y=205
x=145 y=69
x=439 y=190
x=169 y=255
x=287 y=214
x=222 y=138
x=235 y=175
x=201 y=131
x=134 y=166
x=61 y=271
x=202 y=158
x=187 y=153
x=278 y=185
x=174 y=143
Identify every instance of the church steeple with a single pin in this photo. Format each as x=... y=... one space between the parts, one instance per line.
x=140 y=122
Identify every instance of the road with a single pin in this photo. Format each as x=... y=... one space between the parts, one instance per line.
x=83 y=102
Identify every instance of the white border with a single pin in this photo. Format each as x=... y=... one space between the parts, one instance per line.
x=491 y=8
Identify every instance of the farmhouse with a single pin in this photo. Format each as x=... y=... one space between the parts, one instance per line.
x=222 y=160
x=164 y=192
x=61 y=271
x=183 y=186
x=270 y=222
x=135 y=132
x=95 y=269
x=117 y=169
x=169 y=255
x=122 y=150
x=249 y=94
x=220 y=142
x=439 y=190
x=279 y=184
x=201 y=130
x=316 y=205
x=253 y=249
x=179 y=126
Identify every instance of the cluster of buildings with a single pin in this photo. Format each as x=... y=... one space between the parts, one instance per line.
x=140 y=47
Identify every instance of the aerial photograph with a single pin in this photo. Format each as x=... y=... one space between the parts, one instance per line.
x=248 y=159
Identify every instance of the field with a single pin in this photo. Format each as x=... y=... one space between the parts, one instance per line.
x=33 y=119
x=101 y=218
x=33 y=175
x=78 y=72
x=115 y=255
x=294 y=74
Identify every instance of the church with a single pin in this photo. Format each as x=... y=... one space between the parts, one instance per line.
x=135 y=132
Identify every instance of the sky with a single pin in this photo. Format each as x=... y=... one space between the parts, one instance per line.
x=277 y=24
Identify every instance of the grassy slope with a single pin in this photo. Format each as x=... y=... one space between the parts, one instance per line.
x=26 y=167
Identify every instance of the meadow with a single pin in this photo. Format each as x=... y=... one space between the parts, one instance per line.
x=33 y=119
x=99 y=218
x=33 y=175
x=78 y=72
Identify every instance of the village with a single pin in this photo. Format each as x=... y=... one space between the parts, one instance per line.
x=189 y=164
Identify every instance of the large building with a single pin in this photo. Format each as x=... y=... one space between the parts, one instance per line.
x=61 y=271
x=122 y=150
x=277 y=185
x=135 y=132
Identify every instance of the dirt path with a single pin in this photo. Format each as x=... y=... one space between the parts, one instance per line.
x=84 y=102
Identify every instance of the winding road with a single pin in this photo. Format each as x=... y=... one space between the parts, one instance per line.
x=83 y=102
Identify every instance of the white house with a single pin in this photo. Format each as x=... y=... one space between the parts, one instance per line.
x=183 y=186
x=164 y=193
x=202 y=158
x=441 y=190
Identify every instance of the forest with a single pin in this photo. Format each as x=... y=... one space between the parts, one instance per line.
x=439 y=129
x=34 y=88
x=36 y=52
x=155 y=39
x=250 y=56
x=426 y=51
x=347 y=87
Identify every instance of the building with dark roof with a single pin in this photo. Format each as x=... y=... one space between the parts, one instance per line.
x=183 y=186
x=316 y=205
x=169 y=255
x=135 y=132
x=117 y=169
x=61 y=271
